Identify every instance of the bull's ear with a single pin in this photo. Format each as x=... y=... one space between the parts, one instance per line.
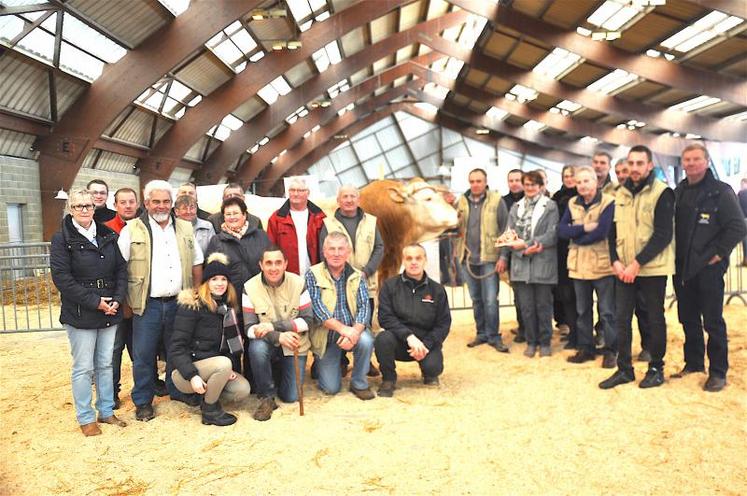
x=396 y=195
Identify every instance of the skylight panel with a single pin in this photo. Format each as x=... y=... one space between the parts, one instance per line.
x=317 y=4
x=257 y=56
x=179 y=91
x=79 y=63
x=589 y=139
x=472 y=30
x=38 y=44
x=613 y=14
x=741 y=116
x=612 y=81
x=228 y=52
x=702 y=31
x=10 y=27
x=522 y=93
x=82 y=36
x=300 y=9
x=323 y=16
x=268 y=94
x=556 y=63
x=195 y=101
x=232 y=122
x=333 y=52
x=453 y=66
x=320 y=60
x=534 y=125
x=566 y=107
x=696 y=103
x=169 y=105
x=281 y=85
x=496 y=113
x=222 y=132
x=427 y=106
x=437 y=90
x=263 y=141
x=176 y=7
x=244 y=41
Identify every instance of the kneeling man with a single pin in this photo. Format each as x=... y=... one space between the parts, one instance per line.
x=414 y=311
x=339 y=298
x=277 y=316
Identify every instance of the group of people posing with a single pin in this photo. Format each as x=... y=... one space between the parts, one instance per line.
x=620 y=241
x=230 y=307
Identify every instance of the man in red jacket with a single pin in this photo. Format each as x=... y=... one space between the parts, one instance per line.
x=295 y=228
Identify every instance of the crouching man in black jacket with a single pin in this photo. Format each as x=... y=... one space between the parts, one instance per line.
x=414 y=312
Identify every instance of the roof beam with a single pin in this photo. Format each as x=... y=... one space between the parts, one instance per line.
x=26 y=9
x=270 y=117
x=660 y=70
x=198 y=120
x=580 y=127
x=63 y=151
x=326 y=133
x=731 y=7
x=673 y=120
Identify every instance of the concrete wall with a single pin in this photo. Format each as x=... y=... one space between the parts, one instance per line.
x=19 y=183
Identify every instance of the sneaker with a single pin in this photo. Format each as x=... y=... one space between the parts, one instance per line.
x=499 y=346
x=581 y=356
x=609 y=360
x=654 y=378
x=644 y=356
x=265 y=408
x=616 y=379
x=545 y=351
x=144 y=413
x=160 y=389
x=363 y=394
x=687 y=370
x=431 y=381
x=714 y=384
x=386 y=390
x=530 y=351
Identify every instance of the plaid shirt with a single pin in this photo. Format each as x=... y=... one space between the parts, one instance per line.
x=342 y=309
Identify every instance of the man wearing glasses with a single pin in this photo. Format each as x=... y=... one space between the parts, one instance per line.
x=100 y=191
x=295 y=228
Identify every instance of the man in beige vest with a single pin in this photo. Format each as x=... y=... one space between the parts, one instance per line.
x=277 y=318
x=586 y=223
x=163 y=258
x=482 y=218
x=641 y=245
x=339 y=298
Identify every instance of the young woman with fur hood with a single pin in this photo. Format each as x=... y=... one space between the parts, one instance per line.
x=205 y=334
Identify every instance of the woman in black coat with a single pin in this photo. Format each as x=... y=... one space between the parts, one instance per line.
x=204 y=338
x=91 y=275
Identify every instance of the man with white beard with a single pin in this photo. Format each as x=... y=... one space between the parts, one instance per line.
x=162 y=259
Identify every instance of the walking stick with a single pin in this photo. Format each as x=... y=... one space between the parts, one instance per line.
x=299 y=387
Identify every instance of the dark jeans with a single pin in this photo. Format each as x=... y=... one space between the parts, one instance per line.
x=700 y=303
x=266 y=357
x=605 y=289
x=389 y=348
x=122 y=339
x=564 y=306
x=535 y=304
x=641 y=315
x=484 y=295
x=653 y=290
x=157 y=321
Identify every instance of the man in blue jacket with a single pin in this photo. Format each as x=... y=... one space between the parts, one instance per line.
x=708 y=225
x=414 y=312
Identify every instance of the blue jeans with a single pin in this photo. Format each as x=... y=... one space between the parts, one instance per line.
x=605 y=289
x=484 y=295
x=330 y=379
x=535 y=304
x=147 y=329
x=262 y=356
x=92 y=362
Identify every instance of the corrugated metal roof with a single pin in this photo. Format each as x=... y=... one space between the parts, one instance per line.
x=24 y=85
x=249 y=109
x=15 y=144
x=180 y=176
x=113 y=162
x=195 y=152
x=136 y=129
x=298 y=74
x=69 y=90
x=204 y=74
x=132 y=21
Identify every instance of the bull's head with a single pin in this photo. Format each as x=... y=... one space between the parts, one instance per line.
x=427 y=206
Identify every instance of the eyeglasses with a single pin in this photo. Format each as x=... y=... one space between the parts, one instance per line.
x=80 y=208
x=297 y=190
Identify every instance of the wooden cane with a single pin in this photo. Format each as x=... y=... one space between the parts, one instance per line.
x=299 y=387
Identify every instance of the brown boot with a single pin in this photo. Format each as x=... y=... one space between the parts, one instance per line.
x=113 y=420
x=265 y=408
x=91 y=429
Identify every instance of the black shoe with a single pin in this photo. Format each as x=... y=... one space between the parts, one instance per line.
x=213 y=414
x=545 y=351
x=654 y=378
x=582 y=356
x=188 y=399
x=431 y=381
x=570 y=345
x=520 y=339
x=314 y=370
x=117 y=403
x=714 y=384
x=160 y=388
x=499 y=346
x=475 y=342
x=144 y=413
x=616 y=379
x=609 y=360
x=687 y=370
x=530 y=351
x=386 y=389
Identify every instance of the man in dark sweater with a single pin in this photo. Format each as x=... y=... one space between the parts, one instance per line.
x=709 y=225
x=743 y=204
x=100 y=191
x=414 y=311
x=641 y=249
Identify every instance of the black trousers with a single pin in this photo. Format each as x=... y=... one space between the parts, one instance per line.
x=652 y=289
x=389 y=348
x=700 y=303
x=564 y=306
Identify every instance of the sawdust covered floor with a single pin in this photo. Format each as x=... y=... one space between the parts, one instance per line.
x=499 y=424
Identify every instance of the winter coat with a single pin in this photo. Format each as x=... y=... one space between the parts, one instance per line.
x=282 y=232
x=197 y=335
x=415 y=307
x=540 y=268
x=243 y=254
x=83 y=273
